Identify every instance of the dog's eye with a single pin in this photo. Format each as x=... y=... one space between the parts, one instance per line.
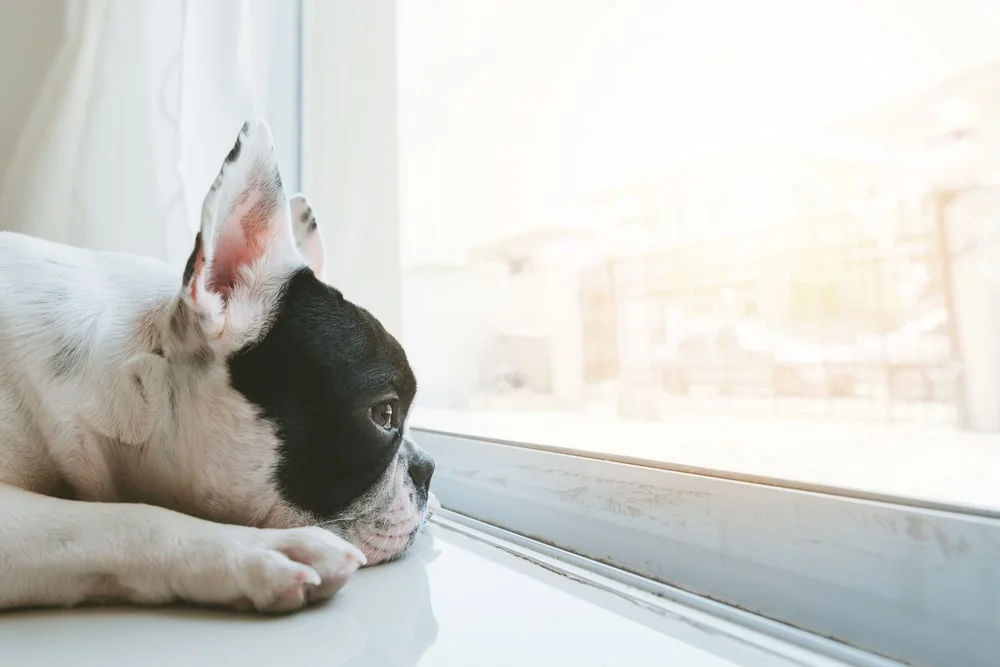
x=383 y=414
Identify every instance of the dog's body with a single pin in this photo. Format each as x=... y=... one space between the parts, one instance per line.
x=168 y=437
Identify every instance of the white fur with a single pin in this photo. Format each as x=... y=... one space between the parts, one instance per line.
x=308 y=237
x=105 y=398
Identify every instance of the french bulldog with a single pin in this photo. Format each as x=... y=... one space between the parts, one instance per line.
x=230 y=434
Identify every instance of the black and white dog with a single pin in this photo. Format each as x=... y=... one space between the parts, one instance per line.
x=231 y=436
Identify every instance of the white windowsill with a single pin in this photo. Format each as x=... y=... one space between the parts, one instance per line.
x=455 y=600
x=928 y=465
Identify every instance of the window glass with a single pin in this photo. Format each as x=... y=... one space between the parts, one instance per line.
x=760 y=238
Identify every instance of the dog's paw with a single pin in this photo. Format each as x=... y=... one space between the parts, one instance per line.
x=285 y=569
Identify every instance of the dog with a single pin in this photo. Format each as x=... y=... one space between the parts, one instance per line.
x=233 y=434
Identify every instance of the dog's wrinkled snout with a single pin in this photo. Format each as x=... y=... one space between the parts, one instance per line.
x=421 y=470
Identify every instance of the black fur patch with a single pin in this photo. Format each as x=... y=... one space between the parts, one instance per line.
x=315 y=375
x=308 y=219
x=192 y=259
x=234 y=152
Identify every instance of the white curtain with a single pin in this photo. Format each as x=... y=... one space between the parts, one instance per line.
x=140 y=106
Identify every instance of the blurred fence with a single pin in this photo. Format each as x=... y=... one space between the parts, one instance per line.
x=843 y=315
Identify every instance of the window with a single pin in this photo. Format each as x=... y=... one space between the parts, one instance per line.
x=704 y=292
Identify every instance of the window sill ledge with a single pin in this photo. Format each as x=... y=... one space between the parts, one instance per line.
x=913 y=464
x=462 y=597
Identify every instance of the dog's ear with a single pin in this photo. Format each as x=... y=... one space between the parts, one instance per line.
x=308 y=237
x=246 y=235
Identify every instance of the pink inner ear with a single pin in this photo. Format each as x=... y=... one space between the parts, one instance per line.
x=242 y=241
x=199 y=264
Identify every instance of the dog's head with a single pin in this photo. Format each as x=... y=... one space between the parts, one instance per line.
x=327 y=386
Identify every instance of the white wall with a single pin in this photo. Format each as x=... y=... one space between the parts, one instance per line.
x=349 y=148
x=30 y=33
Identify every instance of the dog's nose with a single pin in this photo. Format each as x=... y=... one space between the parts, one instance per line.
x=421 y=470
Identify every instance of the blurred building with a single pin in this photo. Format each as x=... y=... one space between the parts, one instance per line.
x=825 y=243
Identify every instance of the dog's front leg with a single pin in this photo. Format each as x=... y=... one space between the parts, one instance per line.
x=56 y=552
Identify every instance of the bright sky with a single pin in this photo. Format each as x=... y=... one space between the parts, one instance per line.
x=511 y=110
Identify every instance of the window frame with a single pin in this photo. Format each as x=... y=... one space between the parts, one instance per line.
x=915 y=583
x=768 y=549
